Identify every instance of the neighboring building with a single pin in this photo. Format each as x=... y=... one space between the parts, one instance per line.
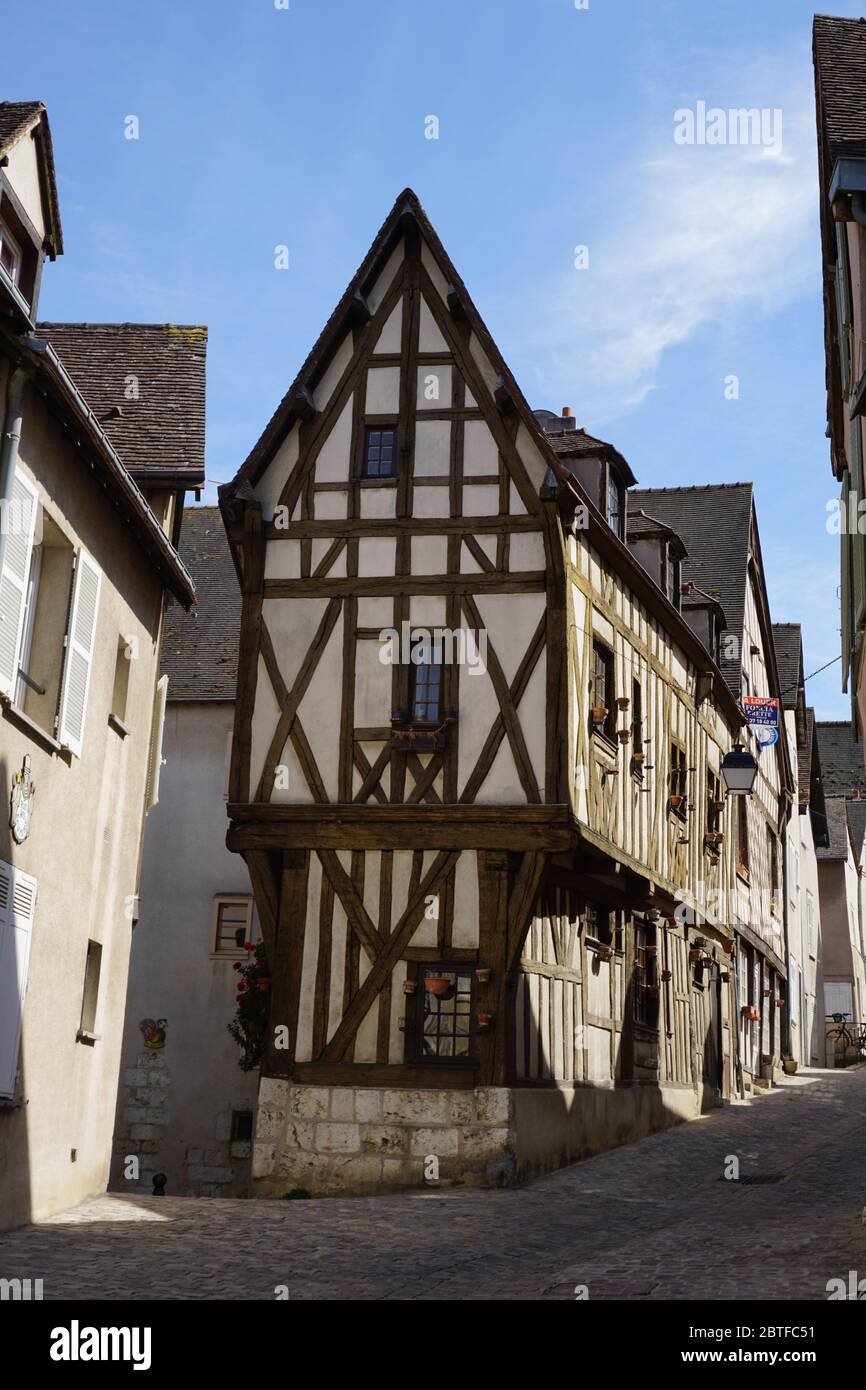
x=806 y=833
x=474 y=875
x=841 y=872
x=184 y=1106
x=839 y=47
x=86 y=564
x=719 y=527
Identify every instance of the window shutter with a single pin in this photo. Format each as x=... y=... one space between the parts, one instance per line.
x=79 y=653
x=20 y=522
x=17 y=908
x=156 y=729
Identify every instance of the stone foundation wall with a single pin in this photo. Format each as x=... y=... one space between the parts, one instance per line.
x=340 y=1139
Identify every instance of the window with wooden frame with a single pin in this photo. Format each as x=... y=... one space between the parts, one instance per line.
x=677 y=780
x=637 y=744
x=380 y=452
x=601 y=925
x=10 y=254
x=602 y=703
x=233 y=916
x=714 y=804
x=645 y=979
x=425 y=681
x=773 y=868
x=445 y=1023
x=614 y=504
x=742 y=836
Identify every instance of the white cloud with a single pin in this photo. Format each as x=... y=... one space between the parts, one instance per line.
x=688 y=235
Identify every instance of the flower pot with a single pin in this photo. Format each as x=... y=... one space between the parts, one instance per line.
x=676 y=800
x=719 y=805
x=483 y=976
x=696 y=953
x=714 y=860
x=623 y=735
x=700 y=941
x=484 y=1020
x=665 y=976
x=622 y=702
x=599 y=714
x=605 y=953
x=790 y=1064
x=437 y=985
x=409 y=986
x=729 y=947
x=637 y=757
x=779 y=1003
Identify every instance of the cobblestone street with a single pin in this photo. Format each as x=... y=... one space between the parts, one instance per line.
x=651 y=1220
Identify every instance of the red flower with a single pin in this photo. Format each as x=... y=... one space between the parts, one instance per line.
x=237 y=965
x=242 y=986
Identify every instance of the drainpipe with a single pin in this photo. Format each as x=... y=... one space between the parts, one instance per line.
x=9 y=448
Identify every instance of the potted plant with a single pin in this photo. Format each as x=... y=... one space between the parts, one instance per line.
x=437 y=985
x=599 y=714
x=605 y=952
x=622 y=702
x=623 y=735
x=409 y=986
x=665 y=976
x=714 y=859
x=251 y=1001
x=484 y=1020
x=483 y=975
x=696 y=953
x=790 y=1064
x=676 y=800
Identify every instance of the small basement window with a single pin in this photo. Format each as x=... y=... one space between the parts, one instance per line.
x=90 y=999
x=233 y=917
x=380 y=452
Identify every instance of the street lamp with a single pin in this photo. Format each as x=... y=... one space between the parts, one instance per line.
x=739 y=770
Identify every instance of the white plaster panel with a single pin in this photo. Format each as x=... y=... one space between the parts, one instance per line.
x=430 y=502
x=430 y=339
x=480 y=450
x=383 y=391
x=332 y=464
x=265 y=716
x=433 y=448
x=429 y=554
x=378 y=503
x=372 y=686
x=319 y=711
x=273 y=480
x=22 y=172
x=526 y=551
x=292 y=625
x=375 y=612
x=510 y=620
x=304 y=1040
x=427 y=610
x=434 y=387
x=464 y=932
x=320 y=548
x=339 y=936
x=390 y=337
x=383 y=283
x=333 y=372
x=283 y=559
x=377 y=555
x=481 y=501
x=330 y=506
x=431 y=265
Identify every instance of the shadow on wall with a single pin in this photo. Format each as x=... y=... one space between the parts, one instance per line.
x=15 y=1185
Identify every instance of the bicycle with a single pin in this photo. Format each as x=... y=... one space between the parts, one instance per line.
x=842 y=1034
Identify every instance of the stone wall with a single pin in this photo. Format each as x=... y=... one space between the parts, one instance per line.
x=339 y=1139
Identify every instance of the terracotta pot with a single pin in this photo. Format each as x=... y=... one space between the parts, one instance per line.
x=483 y=976
x=624 y=735
x=622 y=702
x=599 y=714
x=605 y=953
x=484 y=1020
x=665 y=976
x=409 y=986
x=676 y=800
x=437 y=985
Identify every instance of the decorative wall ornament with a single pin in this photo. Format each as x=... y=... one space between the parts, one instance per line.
x=21 y=802
x=154 y=1032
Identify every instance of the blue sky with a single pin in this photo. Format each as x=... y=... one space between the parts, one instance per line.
x=262 y=126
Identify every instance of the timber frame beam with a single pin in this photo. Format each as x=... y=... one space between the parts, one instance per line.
x=262 y=826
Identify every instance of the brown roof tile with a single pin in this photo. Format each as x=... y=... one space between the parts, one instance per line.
x=16 y=118
x=839 y=49
x=162 y=432
x=200 y=647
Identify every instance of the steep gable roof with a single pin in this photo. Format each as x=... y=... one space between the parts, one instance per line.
x=715 y=523
x=200 y=647
x=839 y=50
x=160 y=431
x=841 y=758
x=19 y=118
x=788 y=641
x=838 y=841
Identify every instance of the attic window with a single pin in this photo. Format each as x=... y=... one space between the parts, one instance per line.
x=380 y=452
x=614 y=504
x=10 y=254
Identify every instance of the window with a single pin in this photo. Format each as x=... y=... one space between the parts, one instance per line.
x=773 y=869
x=90 y=998
x=155 y=759
x=49 y=606
x=380 y=452
x=601 y=925
x=678 y=780
x=714 y=804
x=233 y=916
x=445 y=1013
x=637 y=729
x=426 y=675
x=646 y=992
x=242 y=1126
x=812 y=934
x=672 y=578
x=120 y=691
x=17 y=910
x=614 y=504
x=10 y=254
x=742 y=836
x=601 y=696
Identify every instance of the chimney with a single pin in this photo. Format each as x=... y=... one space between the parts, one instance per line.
x=566 y=411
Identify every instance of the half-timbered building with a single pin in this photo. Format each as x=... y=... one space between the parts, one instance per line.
x=476 y=764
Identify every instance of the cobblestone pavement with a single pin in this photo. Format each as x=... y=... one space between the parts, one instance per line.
x=651 y=1220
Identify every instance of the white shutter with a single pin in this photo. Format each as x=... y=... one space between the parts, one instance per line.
x=155 y=760
x=79 y=652
x=19 y=519
x=17 y=909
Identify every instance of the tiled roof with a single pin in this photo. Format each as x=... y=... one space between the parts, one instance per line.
x=841 y=758
x=200 y=648
x=160 y=431
x=839 y=50
x=16 y=119
x=787 y=639
x=577 y=443
x=715 y=523
x=837 y=830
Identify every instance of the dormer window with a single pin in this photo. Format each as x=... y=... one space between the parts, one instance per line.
x=672 y=578
x=614 y=505
x=10 y=254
